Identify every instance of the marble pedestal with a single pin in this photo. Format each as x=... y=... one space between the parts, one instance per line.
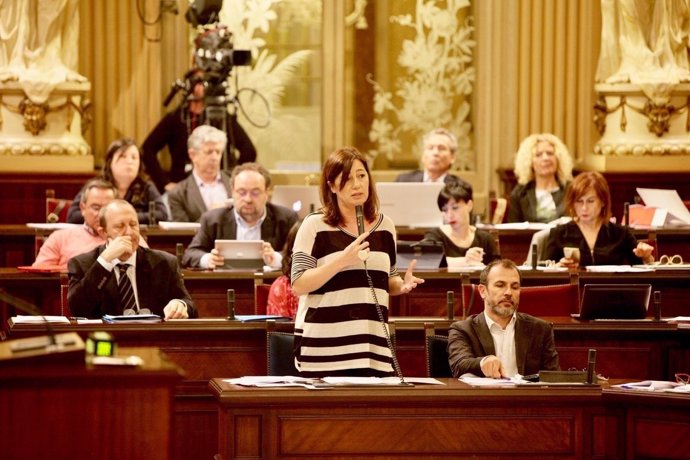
x=638 y=134
x=47 y=136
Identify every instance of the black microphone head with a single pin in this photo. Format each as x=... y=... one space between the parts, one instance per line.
x=359 y=214
x=231 y=295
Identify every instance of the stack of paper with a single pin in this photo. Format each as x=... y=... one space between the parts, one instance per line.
x=24 y=319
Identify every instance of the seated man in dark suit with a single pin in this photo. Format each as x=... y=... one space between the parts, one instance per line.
x=501 y=342
x=121 y=277
x=207 y=187
x=251 y=218
x=440 y=147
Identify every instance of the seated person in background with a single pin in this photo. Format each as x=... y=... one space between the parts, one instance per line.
x=600 y=242
x=282 y=300
x=175 y=128
x=207 y=187
x=121 y=277
x=458 y=237
x=250 y=218
x=66 y=243
x=543 y=168
x=440 y=146
x=123 y=169
x=501 y=342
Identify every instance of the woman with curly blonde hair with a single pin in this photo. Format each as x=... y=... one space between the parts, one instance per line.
x=544 y=168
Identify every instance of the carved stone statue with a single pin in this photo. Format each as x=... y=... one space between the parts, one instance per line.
x=39 y=44
x=644 y=41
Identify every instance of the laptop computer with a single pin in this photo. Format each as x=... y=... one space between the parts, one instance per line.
x=302 y=199
x=411 y=204
x=241 y=255
x=428 y=254
x=614 y=301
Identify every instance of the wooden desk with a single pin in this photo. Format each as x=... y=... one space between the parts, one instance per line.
x=653 y=425
x=425 y=421
x=205 y=349
x=79 y=411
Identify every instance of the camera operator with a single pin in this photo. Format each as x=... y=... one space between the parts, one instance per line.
x=176 y=126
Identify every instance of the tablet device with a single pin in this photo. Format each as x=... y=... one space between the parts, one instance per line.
x=411 y=204
x=429 y=254
x=241 y=255
x=615 y=301
x=303 y=199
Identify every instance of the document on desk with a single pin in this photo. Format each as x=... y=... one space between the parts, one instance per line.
x=269 y=381
x=649 y=385
x=378 y=381
x=487 y=382
x=619 y=268
x=29 y=319
x=168 y=225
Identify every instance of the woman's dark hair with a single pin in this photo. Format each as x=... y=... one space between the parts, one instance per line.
x=340 y=162
x=137 y=186
x=455 y=191
x=287 y=251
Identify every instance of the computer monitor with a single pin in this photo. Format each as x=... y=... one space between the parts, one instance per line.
x=300 y=198
x=428 y=254
x=411 y=204
x=615 y=301
x=241 y=255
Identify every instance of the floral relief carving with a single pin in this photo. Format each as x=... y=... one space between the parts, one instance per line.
x=435 y=82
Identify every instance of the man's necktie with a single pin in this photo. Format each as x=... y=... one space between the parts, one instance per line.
x=124 y=287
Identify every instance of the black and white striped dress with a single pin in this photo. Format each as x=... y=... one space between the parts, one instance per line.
x=337 y=327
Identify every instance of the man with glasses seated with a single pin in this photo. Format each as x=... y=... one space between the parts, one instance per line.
x=66 y=243
x=250 y=218
x=122 y=277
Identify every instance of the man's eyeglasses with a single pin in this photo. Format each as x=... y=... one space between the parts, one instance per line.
x=255 y=193
x=683 y=378
x=132 y=312
x=672 y=260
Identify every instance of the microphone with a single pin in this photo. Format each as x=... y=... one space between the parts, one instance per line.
x=152 y=213
x=535 y=257
x=231 y=304
x=626 y=214
x=360 y=219
x=450 y=303
x=657 y=305
x=68 y=344
x=591 y=360
x=364 y=253
x=179 y=252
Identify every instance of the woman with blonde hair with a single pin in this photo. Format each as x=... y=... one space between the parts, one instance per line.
x=544 y=168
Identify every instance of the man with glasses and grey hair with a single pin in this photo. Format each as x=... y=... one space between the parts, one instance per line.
x=251 y=217
x=207 y=187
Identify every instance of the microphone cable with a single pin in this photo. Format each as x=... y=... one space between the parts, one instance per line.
x=379 y=311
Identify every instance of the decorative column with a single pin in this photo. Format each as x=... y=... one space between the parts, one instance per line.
x=639 y=133
x=43 y=106
x=643 y=87
x=45 y=136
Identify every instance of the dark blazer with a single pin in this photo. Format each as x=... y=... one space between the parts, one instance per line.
x=470 y=340
x=418 y=176
x=220 y=224
x=523 y=203
x=186 y=204
x=614 y=245
x=93 y=289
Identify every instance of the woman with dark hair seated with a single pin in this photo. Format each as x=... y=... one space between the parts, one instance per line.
x=123 y=168
x=460 y=239
x=597 y=241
